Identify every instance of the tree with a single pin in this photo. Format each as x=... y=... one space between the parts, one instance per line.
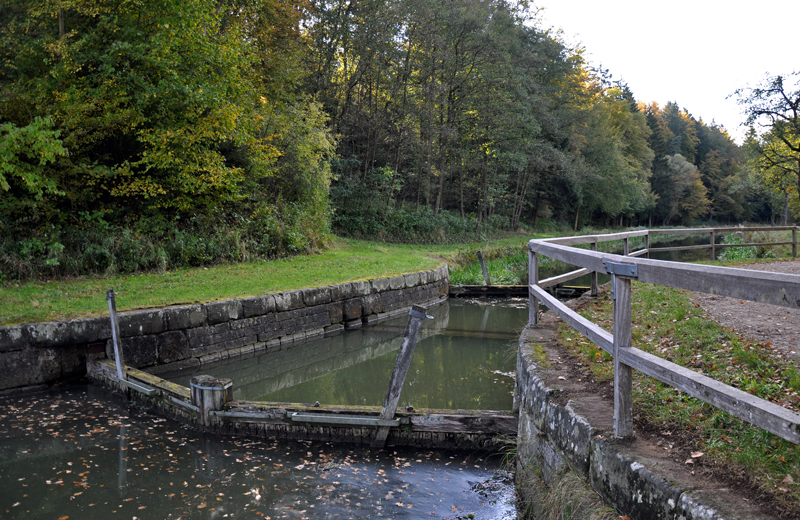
x=775 y=106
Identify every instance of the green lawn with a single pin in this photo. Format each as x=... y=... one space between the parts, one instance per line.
x=345 y=260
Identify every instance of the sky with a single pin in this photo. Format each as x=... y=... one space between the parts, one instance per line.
x=695 y=53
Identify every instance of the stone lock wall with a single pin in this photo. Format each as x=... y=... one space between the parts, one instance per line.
x=43 y=353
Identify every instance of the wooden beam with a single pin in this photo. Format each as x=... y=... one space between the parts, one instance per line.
x=555 y=280
x=623 y=375
x=401 y=364
x=762 y=413
x=594 y=333
x=760 y=286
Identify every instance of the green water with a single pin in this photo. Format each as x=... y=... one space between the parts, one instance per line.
x=463 y=360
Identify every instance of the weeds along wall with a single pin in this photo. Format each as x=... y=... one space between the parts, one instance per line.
x=45 y=353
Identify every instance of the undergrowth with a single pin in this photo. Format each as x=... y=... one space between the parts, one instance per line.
x=668 y=324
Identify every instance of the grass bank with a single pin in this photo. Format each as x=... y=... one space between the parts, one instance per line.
x=345 y=260
x=668 y=324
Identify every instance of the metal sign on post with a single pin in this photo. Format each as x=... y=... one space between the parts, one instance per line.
x=401 y=365
x=112 y=310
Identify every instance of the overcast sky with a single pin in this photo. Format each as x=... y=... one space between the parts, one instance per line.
x=693 y=52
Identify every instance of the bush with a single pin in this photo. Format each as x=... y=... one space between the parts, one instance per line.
x=97 y=247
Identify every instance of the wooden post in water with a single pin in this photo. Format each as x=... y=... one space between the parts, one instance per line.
x=401 y=364
x=533 y=279
x=713 y=247
x=112 y=310
x=210 y=394
x=483 y=268
x=623 y=377
x=594 y=273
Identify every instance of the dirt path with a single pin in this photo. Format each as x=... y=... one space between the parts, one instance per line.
x=765 y=323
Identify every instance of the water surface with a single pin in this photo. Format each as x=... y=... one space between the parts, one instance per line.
x=76 y=453
x=463 y=360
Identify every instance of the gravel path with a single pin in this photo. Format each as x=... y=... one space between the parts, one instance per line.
x=765 y=323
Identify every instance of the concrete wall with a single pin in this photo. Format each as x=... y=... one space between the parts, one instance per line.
x=43 y=353
x=564 y=425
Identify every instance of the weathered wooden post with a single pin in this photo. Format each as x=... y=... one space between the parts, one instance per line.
x=594 y=273
x=483 y=268
x=647 y=244
x=112 y=310
x=533 y=279
x=401 y=364
x=794 y=242
x=713 y=247
x=625 y=247
x=210 y=394
x=621 y=275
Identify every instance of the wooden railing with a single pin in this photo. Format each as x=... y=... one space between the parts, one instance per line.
x=764 y=287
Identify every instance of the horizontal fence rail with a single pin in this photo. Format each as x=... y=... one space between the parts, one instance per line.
x=764 y=287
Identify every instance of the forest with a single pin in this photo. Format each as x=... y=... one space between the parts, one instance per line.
x=158 y=134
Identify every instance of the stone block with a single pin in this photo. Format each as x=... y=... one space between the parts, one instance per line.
x=137 y=351
x=172 y=346
x=625 y=481
x=220 y=312
x=336 y=312
x=352 y=309
x=343 y=291
x=46 y=334
x=397 y=282
x=371 y=304
x=353 y=324
x=316 y=296
x=379 y=285
x=258 y=306
x=185 y=317
x=141 y=323
x=89 y=330
x=288 y=301
x=571 y=434
x=13 y=338
x=412 y=279
x=362 y=288
x=30 y=366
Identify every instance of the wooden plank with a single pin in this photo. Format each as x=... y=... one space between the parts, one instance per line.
x=756 y=244
x=679 y=248
x=595 y=334
x=499 y=424
x=689 y=231
x=588 y=239
x=760 y=286
x=555 y=280
x=483 y=268
x=764 y=414
x=398 y=377
x=640 y=252
x=623 y=375
x=594 y=273
x=533 y=277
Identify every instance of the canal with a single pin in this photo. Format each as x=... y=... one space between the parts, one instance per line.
x=77 y=452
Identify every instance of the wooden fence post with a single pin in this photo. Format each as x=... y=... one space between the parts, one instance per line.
x=625 y=247
x=794 y=242
x=112 y=310
x=623 y=377
x=594 y=273
x=647 y=244
x=401 y=364
x=713 y=247
x=533 y=279
x=483 y=268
